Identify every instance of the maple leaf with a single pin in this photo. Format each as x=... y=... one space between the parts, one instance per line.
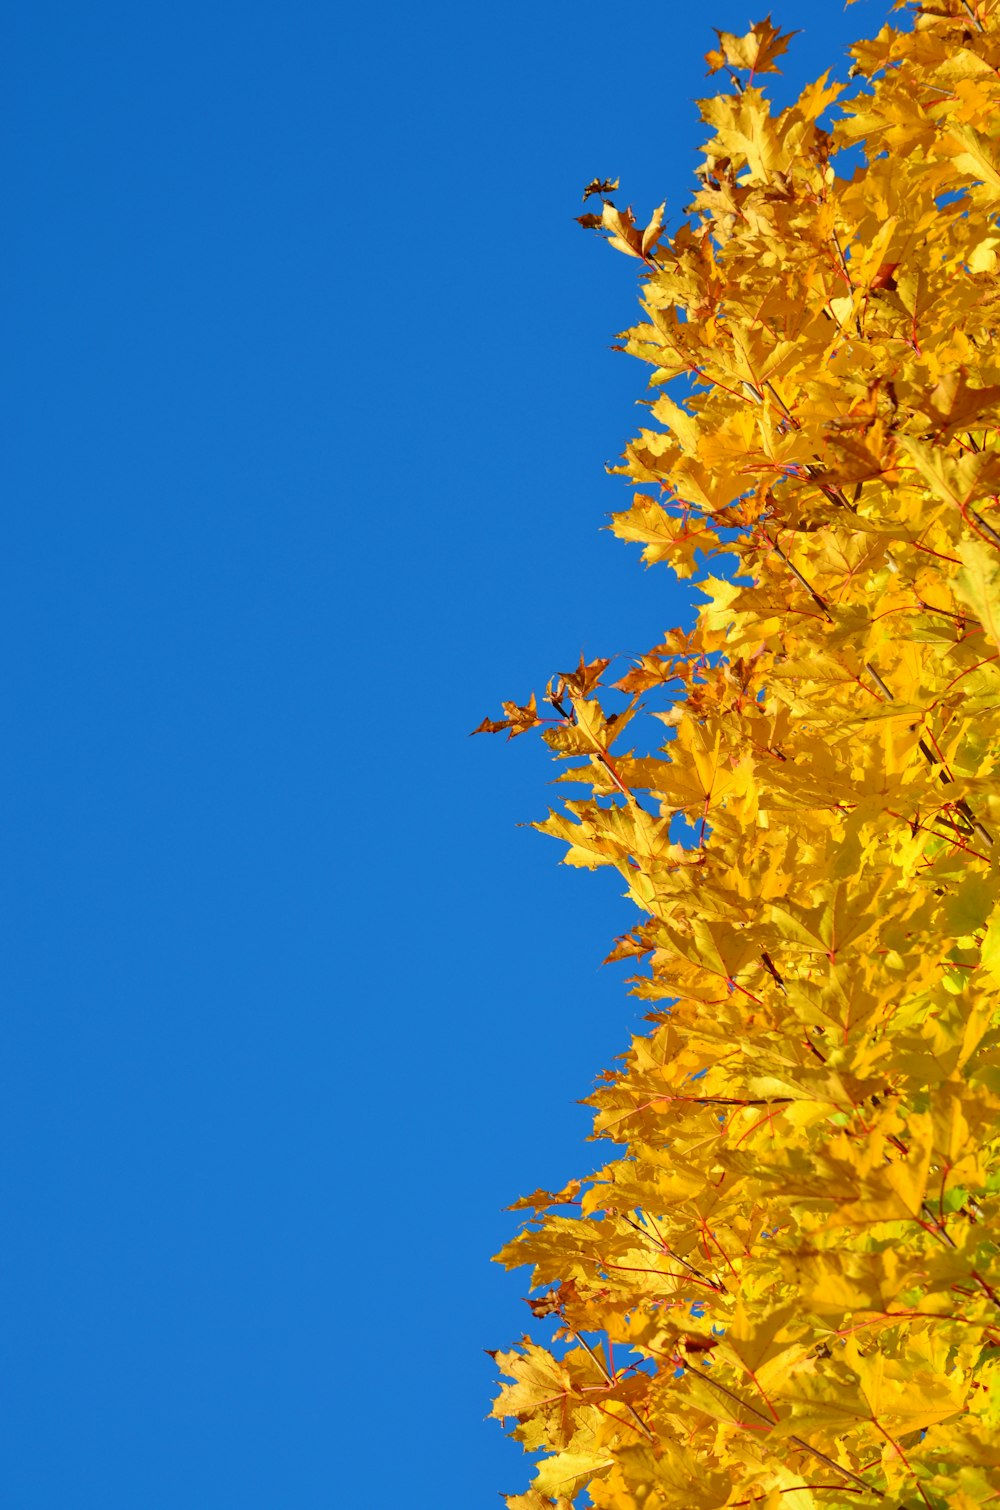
x=623 y=233
x=955 y=405
x=553 y=1301
x=600 y=186
x=584 y=679
x=664 y=537
x=755 y=52
x=541 y=1200
x=519 y=719
x=978 y=584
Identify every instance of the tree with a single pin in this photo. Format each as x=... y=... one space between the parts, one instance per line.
x=783 y=1287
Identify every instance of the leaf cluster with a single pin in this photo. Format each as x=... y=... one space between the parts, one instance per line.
x=782 y=1286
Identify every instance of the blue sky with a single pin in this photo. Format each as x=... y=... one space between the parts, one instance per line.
x=308 y=419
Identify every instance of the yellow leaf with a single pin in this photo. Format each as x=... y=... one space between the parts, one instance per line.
x=653 y=231
x=978 y=584
x=756 y=51
x=568 y=1472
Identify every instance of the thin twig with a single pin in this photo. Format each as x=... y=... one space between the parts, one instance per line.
x=602 y=755
x=798 y=575
x=610 y=1381
x=944 y=775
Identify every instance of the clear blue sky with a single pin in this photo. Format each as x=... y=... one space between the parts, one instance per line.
x=310 y=398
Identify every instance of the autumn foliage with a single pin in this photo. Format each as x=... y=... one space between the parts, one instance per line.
x=783 y=1286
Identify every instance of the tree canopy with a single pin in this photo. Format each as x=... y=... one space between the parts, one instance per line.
x=782 y=1286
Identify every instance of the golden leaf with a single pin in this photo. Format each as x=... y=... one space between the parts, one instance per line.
x=756 y=51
